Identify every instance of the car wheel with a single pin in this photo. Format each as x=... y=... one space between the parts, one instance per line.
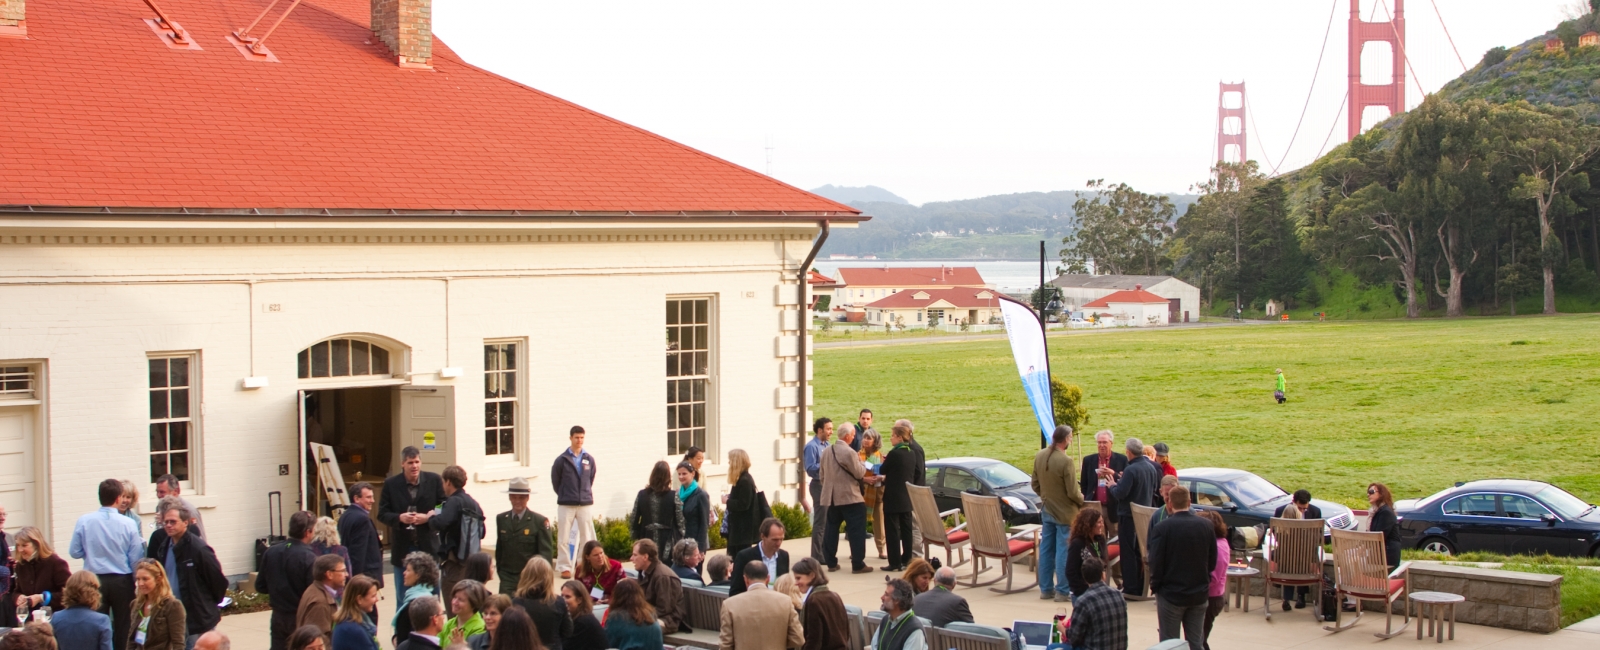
x=1438 y=545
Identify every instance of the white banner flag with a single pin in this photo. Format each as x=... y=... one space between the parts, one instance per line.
x=1033 y=361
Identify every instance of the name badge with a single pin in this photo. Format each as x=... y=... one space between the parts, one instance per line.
x=597 y=593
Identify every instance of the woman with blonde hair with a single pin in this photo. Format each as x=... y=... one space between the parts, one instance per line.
x=743 y=513
x=78 y=626
x=872 y=455
x=536 y=594
x=325 y=540
x=353 y=629
x=786 y=585
x=39 y=575
x=158 y=618
x=128 y=505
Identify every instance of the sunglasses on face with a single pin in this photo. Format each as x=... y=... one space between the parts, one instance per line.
x=1371 y=492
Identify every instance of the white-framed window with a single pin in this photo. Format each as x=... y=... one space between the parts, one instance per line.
x=174 y=425
x=17 y=383
x=343 y=357
x=690 y=366
x=502 y=398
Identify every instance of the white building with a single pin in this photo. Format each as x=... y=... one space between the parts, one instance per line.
x=924 y=307
x=1077 y=290
x=209 y=258
x=863 y=285
x=1136 y=308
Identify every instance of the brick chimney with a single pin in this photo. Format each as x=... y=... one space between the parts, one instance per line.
x=13 y=18
x=406 y=26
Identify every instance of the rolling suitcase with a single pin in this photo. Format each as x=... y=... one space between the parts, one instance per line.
x=264 y=543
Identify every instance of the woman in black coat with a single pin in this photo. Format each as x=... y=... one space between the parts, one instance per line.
x=743 y=509
x=1383 y=520
x=587 y=633
x=657 y=513
x=696 y=508
x=1087 y=539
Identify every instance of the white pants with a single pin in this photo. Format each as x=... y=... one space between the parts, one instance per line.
x=575 y=525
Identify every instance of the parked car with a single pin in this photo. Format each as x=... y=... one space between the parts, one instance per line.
x=1244 y=499
x=949 y=477
x=1509 y=516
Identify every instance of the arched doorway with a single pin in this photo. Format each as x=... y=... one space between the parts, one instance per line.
x=358 y=409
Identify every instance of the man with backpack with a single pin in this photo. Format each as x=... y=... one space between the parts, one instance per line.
x=460 y=527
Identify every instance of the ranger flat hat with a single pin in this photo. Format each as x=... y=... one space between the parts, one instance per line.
x=519 y=485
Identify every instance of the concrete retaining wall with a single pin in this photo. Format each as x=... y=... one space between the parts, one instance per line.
x=1496 y=598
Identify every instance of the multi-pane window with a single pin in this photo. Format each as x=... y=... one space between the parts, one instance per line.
x=172 y=431
x=343 y=358
x=688 y=372
x=16 y=382
x=500 y=398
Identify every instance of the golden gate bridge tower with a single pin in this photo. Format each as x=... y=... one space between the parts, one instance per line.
x=1391 y=95
x=1227 y=135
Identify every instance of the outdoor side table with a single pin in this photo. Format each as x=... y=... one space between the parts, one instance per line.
x=1241 y=576
x=1435 y=603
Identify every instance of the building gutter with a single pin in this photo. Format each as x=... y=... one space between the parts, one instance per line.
x=805 y=317
x=260 y=215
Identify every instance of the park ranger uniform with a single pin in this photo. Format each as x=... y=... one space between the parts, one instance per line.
x=520 y=539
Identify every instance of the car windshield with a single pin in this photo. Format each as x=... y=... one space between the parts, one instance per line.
x=1001 y=475
x=1254 y=490
x=1569 y=506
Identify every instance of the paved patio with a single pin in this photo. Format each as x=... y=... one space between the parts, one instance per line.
x=1234 y=629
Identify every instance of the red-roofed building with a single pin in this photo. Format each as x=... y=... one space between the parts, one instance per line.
x=1137 y=308
x=337 y=232
x=863 y=285
x=925 y=307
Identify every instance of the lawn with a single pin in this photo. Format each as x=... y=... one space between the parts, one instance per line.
x=1417 y=405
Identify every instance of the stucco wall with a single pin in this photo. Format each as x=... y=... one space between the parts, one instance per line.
x=592 y=313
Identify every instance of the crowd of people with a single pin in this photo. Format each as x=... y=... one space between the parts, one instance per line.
x=323 y=582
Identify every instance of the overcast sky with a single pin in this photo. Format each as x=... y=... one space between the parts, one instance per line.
x=938 y=100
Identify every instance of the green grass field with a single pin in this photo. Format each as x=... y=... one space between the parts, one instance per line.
x=1417 y=405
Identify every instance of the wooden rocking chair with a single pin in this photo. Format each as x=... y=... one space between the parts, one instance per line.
x=1362 y=573
x=1141 y=525
x=931 y=522
x=989 y=540
x=1295 y=559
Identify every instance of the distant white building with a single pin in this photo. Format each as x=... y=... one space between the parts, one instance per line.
x=1078 y=290
x=924 y=307
x=1136 y=308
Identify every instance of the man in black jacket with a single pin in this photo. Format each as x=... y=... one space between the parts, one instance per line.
x=285 y=574
x=768 y=551
x=1183 y=553
x=192 y=569
x=899 y=469
x=1095 y=487
x=409 y=499
x=572 y=478
x=1301 y=502
x=460 y=511
x=360 y=537
x=1136 y=485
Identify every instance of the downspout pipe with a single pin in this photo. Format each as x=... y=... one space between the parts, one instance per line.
x=802 y=384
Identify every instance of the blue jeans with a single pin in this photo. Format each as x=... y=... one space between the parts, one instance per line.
x=1053 y=555
x=399 y=585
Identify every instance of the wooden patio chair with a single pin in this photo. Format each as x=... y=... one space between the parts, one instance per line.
x=966 y=639
x=1361 y=572
x=989 y=540
x=858 y=627
x=1141 y=525
x=703 y=608
x=931 y=522
x=1295 y=559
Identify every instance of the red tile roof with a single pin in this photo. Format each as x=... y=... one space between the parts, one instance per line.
x=959 y=298
x=817 y=279
x=901 y=278
x=96 y=111
x=1135 y=296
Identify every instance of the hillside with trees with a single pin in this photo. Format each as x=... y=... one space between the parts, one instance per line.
x=1007 y=226
x=1478 y=200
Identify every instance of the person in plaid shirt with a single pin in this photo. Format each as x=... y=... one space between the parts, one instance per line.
x=1100 y=616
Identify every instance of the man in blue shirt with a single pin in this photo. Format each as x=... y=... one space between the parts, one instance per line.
x=109 y=545
x=823 y=428
x=572 y=477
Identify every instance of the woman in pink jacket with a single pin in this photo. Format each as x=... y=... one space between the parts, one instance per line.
x=1219 y=576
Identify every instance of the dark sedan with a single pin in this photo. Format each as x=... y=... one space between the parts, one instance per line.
x=1508 y=516
x=949 y=477
x=1244 y=499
